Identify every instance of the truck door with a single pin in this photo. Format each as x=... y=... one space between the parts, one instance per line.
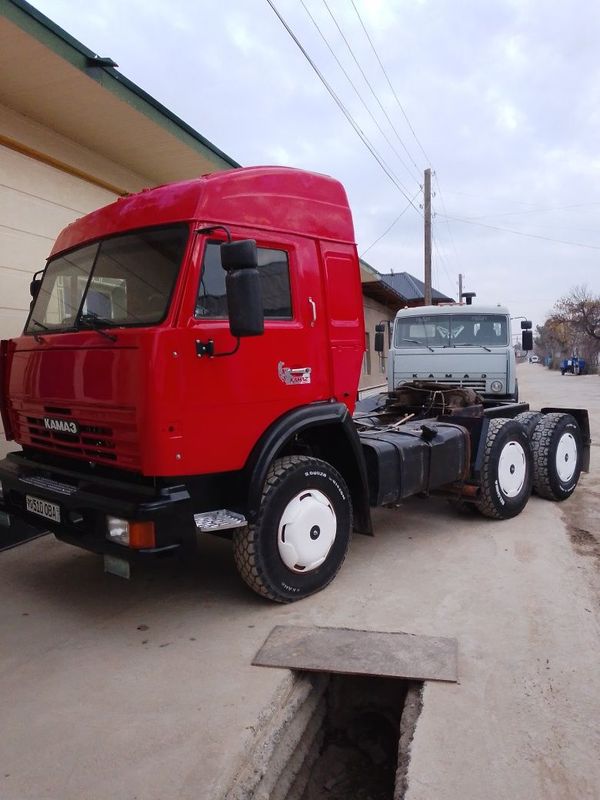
x=345 y=318
x=232 y=399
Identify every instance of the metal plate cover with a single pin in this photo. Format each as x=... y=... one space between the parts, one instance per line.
x=357 y=652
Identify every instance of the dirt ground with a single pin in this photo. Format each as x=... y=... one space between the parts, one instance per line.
x=144 y=690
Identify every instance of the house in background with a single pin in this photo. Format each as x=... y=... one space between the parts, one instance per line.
x=75 y=134
x=383 y=296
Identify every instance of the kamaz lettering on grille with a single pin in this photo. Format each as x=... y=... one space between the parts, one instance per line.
x=61 y=425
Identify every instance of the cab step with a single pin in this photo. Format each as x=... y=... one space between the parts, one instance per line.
x=220 y=520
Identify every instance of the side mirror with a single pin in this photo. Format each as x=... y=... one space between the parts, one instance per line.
x=379 y=331
x=34 y=286
x=526 y=340
x=526 y=325
x=242 y=284
x=239 y=255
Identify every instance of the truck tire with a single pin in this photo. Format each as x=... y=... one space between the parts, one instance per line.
x=300 y=538
x=507 y=470
x=529 y=419
x=557 y=446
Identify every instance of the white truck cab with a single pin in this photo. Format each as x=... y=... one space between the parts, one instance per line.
x=457 y=345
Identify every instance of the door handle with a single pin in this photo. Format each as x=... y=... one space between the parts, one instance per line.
x=313 y=306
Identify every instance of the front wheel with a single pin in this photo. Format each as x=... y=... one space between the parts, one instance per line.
x=300 y=538
x=506 y=472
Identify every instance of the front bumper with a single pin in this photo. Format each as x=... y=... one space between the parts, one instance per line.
x=85 y=502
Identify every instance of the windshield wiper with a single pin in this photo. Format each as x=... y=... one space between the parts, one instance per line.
x=96 y=323
x=416 y=341
x=468 y=344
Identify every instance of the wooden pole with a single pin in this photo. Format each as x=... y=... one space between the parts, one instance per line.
x=427 y=243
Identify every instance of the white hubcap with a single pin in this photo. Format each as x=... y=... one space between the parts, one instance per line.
x=306 y=531
x=566 y=457
x=512 y=469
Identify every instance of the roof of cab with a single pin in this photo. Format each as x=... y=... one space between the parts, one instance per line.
x=452 y=309
x=269 y=198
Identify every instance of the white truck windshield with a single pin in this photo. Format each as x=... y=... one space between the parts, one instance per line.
x=451 y=330
x=124 y=280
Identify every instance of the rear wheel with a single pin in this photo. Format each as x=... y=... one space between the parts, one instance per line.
x=529 y=419
x=557 y=446
x=506 y=473
x=300 y=538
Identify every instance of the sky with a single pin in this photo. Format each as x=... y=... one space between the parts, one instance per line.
x=500 y=98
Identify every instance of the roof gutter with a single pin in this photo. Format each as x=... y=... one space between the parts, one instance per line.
x=78 y=55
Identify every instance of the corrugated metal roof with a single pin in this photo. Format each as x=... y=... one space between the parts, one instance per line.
x=412 y=288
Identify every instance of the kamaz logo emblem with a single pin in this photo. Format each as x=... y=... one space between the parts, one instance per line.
x=61 y=425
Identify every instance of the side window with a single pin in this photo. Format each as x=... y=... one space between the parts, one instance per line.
x=273 y=268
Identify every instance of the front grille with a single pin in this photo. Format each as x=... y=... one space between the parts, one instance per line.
x=468 y=383
x=108 y=437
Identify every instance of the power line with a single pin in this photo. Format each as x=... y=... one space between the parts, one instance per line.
x=362 y=72
x=342 y=107
x=383 y=69
x=535 y=211
x=442 y=260
x=389 y=228
x=522 y=233
x=350 y=81
x=486 y=197
x=445 y=216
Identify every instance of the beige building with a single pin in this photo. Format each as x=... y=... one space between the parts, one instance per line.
x=74 y=135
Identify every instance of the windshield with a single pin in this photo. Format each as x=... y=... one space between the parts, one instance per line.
x=451 y=330
x=124 y=280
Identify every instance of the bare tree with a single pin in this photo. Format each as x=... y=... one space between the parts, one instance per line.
x=582 y=310
x=573 y=328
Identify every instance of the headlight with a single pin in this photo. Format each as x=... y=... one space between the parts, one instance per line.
x=118 y=530
x=496 y=386
x=1 y=491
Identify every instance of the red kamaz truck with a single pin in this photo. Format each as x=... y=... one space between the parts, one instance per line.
x=190 y=365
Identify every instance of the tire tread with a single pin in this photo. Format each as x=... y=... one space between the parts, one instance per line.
x=541 y=443
x=485 y=502
x=244 y=539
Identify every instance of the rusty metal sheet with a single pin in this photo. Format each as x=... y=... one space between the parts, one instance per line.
x=356 y=652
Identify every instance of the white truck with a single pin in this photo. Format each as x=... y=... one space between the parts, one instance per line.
x=455 y=345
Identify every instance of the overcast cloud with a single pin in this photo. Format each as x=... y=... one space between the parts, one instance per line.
x=503 y=96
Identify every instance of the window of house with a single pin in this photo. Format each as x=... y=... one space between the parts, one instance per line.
x=273 y=268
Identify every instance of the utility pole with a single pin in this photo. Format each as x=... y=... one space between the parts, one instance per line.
x=460 y=277
x=427 y=248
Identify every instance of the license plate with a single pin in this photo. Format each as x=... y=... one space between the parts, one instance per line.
x=42 y=508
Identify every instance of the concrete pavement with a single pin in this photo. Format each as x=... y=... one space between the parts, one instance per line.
x=144 y=689
x=524 y=604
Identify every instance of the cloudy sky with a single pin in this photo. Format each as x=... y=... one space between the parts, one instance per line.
x=503 y=97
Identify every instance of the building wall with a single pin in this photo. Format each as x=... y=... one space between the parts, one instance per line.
x=373 y=375
x=39 y=195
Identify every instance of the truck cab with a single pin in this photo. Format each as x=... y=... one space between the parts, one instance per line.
x=190 y=366
x=456 y=345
